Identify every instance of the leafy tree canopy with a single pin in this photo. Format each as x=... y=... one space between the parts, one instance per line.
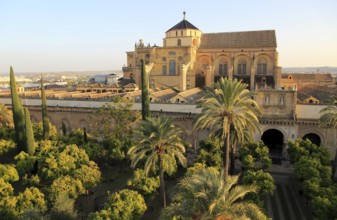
x=6 y=145
x=31 y=198
x=66 y=184
x=142 y=182
x=114 y=121
x=38 y=131
x=262 y=180
x=6 y=189
x=302 y=148
x=125 y=205
x=8 y=173
x=6 y=117
x=255 y=156
x=210 y=152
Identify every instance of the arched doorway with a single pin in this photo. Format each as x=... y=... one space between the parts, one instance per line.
x=314 y=138
x=200 y=80
x=65 y=127
x=273 y=138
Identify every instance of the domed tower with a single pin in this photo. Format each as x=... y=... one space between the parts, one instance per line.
x=183 y=34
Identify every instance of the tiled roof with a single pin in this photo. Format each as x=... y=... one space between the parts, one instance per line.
x=131 y=85
x=125 y=81
x=322 y=93
x=164 y=94
x=301 y=96
x=309 y=76
x=245 y=39
x=113 y=85
x=184 y=24
x=190 y=92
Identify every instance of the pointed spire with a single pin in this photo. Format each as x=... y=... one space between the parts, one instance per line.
x=184 y=13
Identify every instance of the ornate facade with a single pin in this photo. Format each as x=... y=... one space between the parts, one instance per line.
x=190 y=58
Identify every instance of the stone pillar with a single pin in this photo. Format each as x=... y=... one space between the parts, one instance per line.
x=277 y=77
x=232 y=67
x=209 y=75
x=252 y=78
x=231 y=70
x=182 y=78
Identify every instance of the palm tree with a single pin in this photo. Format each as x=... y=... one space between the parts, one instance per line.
x=158 y=141
x=228 y=104
x=329 y=113
x=238 y=139
x=205 y=195
x=5 y=117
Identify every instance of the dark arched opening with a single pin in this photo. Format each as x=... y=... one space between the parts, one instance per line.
x=314 y=138
x=274 y=140
x=200 y=80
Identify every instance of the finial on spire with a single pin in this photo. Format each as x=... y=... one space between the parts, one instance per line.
x=184 y=13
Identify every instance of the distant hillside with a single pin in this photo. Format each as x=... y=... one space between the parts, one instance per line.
x=323 y=69
x=65 y=73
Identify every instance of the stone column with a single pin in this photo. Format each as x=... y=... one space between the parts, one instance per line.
x=209 y=75
x=182 y=78
x=278 y=72
x=252 y=78
x=232 y=69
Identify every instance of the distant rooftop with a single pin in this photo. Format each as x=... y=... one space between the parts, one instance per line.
x=309 y=76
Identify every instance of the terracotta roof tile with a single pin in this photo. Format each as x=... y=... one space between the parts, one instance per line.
x=309 y=76
x=245 y=39
x=322 y=93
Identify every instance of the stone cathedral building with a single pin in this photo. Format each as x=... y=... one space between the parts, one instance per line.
x=190 y=58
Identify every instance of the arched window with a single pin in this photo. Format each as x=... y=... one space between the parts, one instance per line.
x=164 y=70
x=223 y=68
x=262 y=67
x=164 y=59
x=172 y=67
x=179 y=42
x=242 y=70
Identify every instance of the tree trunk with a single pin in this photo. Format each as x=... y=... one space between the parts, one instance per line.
x=233 y=151
x=225 y=155
x=161 y=178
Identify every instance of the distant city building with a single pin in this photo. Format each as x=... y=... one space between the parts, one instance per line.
x=112 y=79
x=106 y=78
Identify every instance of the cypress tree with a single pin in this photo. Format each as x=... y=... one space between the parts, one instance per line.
x=145 y=93
x=30 y=145
x=18 y=113
x=45 y=120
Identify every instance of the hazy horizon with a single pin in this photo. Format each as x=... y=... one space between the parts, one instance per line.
x=45 y=36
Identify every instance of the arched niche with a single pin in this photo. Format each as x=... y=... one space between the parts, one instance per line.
x=274 y=139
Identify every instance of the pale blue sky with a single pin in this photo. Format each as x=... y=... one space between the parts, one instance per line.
x=74 y=35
